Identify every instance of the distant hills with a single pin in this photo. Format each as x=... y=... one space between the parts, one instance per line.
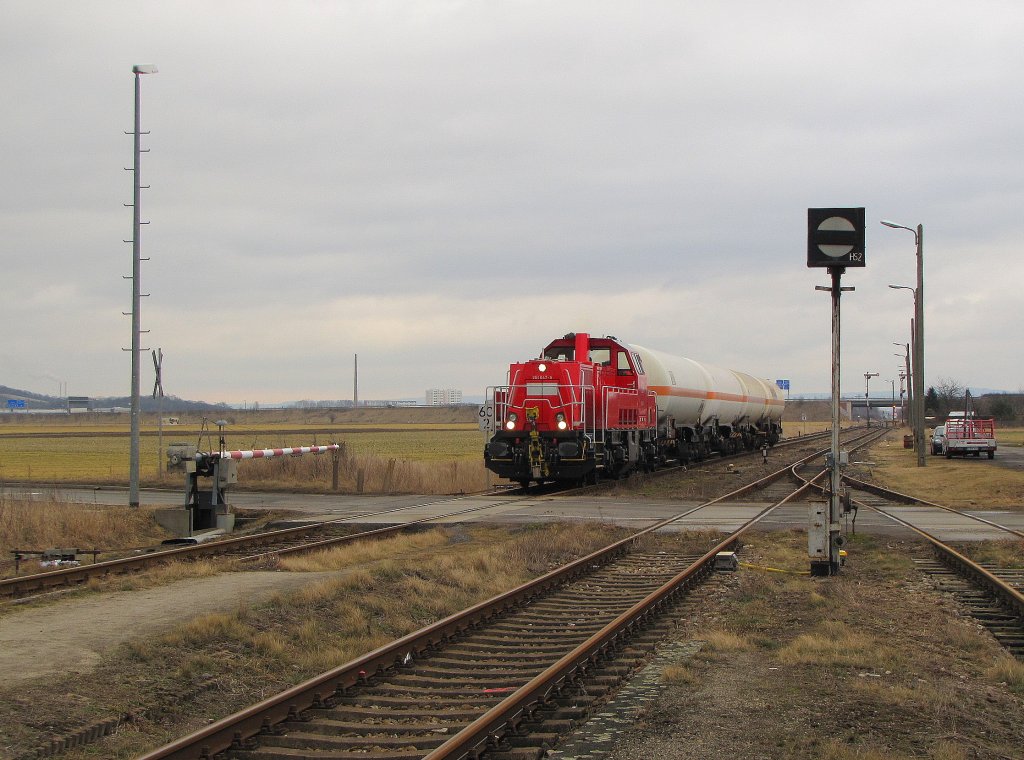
x=39 y=402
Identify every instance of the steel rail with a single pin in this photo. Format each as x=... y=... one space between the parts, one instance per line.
x=67 y=577
x=375 y=532
x=233 y=730
x=505 y=717
x=1010 y=596
x=995 y=585
x=11 y=587
x=897 y=496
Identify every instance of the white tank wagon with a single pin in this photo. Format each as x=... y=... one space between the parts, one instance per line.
x=709 y=408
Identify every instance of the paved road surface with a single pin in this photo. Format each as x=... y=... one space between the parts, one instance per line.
x=510 y=508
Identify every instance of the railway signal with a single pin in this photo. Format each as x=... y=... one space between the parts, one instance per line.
x=835 y=240
x=835 y=237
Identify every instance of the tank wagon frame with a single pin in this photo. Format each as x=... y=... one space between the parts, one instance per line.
x=597 y=407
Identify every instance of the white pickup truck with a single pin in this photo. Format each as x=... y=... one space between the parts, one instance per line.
x=963 y=436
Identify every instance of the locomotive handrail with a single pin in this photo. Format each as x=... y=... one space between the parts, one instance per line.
x=500 y=395
x=613 y=390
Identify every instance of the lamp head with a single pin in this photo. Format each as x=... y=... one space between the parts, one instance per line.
x=144 y=68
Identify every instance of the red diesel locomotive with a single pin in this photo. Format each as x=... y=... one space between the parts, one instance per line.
x=597 y=407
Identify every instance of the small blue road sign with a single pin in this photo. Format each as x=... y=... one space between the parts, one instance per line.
x=15 y=403
x=783 y=384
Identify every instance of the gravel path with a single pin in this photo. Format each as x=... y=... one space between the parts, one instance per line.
x=70 y=637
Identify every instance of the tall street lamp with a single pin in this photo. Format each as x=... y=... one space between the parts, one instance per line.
x=133 y=458
x=918 y=339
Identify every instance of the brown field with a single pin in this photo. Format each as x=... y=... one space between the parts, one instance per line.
x=389 y=450
x=954 y=482
x=400 y=450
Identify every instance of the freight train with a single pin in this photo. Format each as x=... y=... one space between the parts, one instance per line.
x=593 y=407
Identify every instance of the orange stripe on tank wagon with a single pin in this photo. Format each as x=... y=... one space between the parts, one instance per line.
x=668 y=390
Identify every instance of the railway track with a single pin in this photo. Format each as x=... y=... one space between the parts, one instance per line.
x=505 y=677
x=993 y=595
x=258 y=546
x=261 y=546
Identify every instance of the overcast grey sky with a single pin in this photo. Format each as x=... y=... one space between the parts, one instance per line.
x=443 y=187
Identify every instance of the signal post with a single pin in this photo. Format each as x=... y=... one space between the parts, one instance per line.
x=835 y=240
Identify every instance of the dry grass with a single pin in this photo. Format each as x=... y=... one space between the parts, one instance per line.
x=1004 y=554
x=364 y=551
x=49 y=522
x=397 y=458
x=726 y=641
x=375 y=473
x=226 y=661
x=1009 y=671
x=872 y=663
x=679 y=674
x=833 y=644
x=957 y=482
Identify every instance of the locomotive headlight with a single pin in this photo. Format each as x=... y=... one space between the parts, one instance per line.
x=560 y=419
x=510 y=424
x=542 y=367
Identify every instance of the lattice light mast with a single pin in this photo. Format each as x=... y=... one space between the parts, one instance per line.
x=133 y=462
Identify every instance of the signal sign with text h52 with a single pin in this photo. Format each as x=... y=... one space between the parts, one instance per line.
x=835 y=237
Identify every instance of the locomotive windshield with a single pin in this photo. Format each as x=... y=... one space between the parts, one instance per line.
x=559 y=354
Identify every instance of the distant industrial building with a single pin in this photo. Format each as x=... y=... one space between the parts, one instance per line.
x=78 y=404
x=443 y=396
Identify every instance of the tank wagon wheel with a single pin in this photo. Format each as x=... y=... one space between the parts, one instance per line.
x=525 y=484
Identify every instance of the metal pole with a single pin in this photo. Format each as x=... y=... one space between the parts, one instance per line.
x=919 y=348
x=133 y=458
x=912 y=388
x=835 y=476
x=133 y=462
x=867 y=397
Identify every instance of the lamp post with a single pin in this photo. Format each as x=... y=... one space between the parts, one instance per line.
x=892 y=384
x=919 y=339
x=867 y=398
x=133 y=459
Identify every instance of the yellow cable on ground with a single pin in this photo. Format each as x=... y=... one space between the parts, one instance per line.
x=774 y=569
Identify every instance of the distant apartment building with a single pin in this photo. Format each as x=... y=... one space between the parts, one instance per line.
x=443 y=396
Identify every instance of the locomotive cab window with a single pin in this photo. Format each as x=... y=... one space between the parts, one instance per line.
x=559 y=354
x=622 y=363
x=602 y=356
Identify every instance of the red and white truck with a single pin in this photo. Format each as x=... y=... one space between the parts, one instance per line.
x=960 y=436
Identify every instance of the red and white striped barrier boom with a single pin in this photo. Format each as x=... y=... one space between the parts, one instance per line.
x=267 y=453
